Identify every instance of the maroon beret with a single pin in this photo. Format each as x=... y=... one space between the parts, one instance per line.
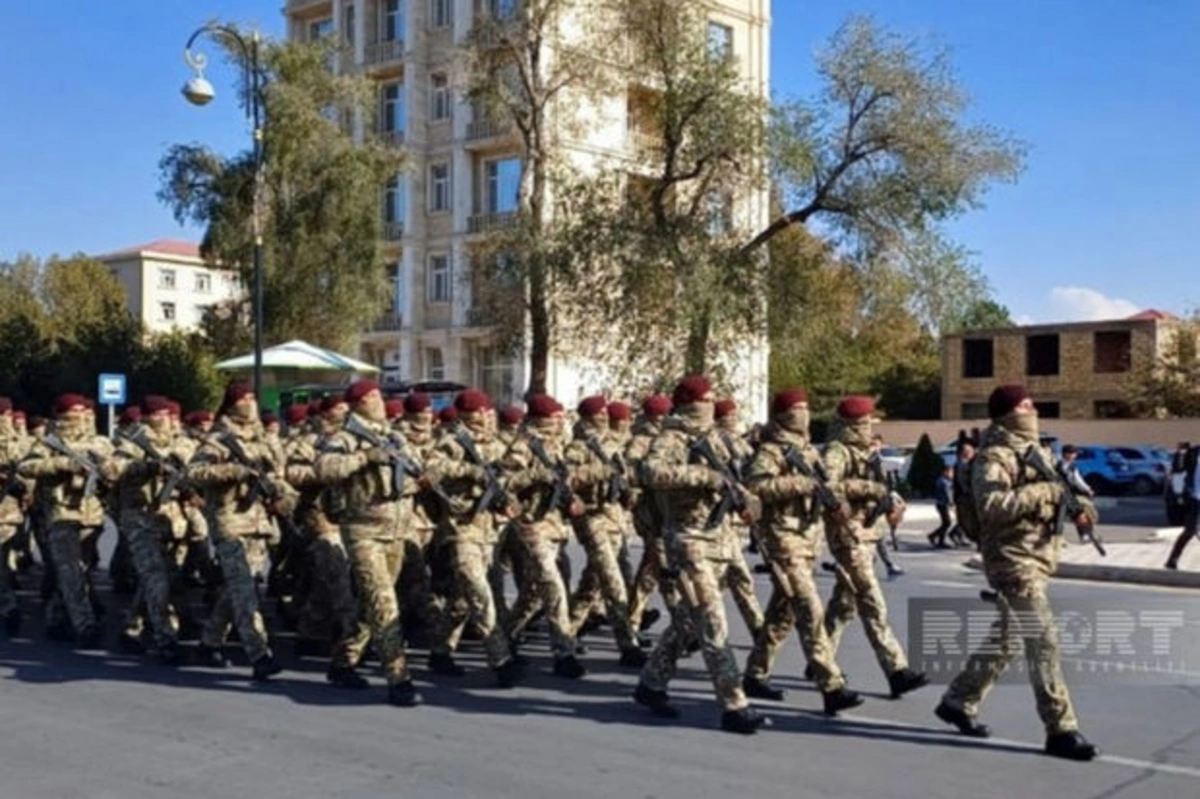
x=472 y=400
x=131 y=414
x=5 y=405
x=154 y=403
x=296 y=414
x=784 y=401
x=174 y=408
x=855 y=407
x=619 y=411
x=724 y=408
x=198 y=417
x=657 y=405
x=269 y=417
x=691 y=389
x=89 y=403
x=393 y=408
x=331 y=401
x=449 y=414
x=359 y=389
x=1005 y=398
x=18 y=414
x=314 y=408
x=68 y=401
x=593 y=406
x=543 y=406
x=512 y=416
x=417 y=401
x=234 y=392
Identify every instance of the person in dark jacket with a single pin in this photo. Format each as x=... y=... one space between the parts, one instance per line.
x=943 y=500
x=1191 y=507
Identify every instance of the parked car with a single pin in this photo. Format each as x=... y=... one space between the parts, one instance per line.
x=895 y=460
x=949 y=453
x=1104 y=469
x=1148 y=466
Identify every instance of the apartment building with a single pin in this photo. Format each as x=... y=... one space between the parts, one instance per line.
x=1074 y=371
x=462 y=180
x=168 y=285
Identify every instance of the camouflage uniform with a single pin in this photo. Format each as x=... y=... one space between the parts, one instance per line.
x=790 y=534
x=738 y=577
x=856 y=591
x=647 y=523
x=687 y=493
x=12 y=515
x=467 y=540
x=416 y=579
x=71 y=517
x=242 y=526
x=372 y=517
x=1016 y=513
x=601 y=531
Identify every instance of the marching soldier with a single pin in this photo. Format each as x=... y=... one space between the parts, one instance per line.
x=241 y=474
x=508 y=558
x=14 y=500
x=854 y=524
x=598 y=475
x=685 y=469
x=374 y=479
x=419 y=603
x=740 y=580
x=647 y=522
x=620 y=423
x=1016 y=509
x=783 y=475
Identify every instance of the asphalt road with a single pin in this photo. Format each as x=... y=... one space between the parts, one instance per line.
x=106 y=725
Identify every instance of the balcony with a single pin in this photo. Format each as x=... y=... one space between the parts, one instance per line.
x=486 y=223
x=391 y=138
x=305 y=5
x=393 y=231
x=480 y=129
x=644 y=146
x=389 y=322
x=384 y=52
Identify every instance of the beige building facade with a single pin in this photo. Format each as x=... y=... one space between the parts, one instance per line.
x=462 y=179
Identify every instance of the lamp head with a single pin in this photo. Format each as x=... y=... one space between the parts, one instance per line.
x=198 y=90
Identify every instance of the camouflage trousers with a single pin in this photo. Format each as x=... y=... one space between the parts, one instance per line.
x=1025 y=617
x=146 y=545
x=602 y=582
x=701 y=566
x=651 y=575
x=740 y=581
x=8 y=597
x=857 y=593
x=65 y=541
x=542 y=588
x=376 y=564
x=330 y=611
x=508 y=558
x=471 y=599
x=794 y=604
x=415 y=584
x=243 y=560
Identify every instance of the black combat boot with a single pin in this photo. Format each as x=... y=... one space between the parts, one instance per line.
x=840 y=699
x=130 y=644
x=633 y=657
x=443 y=663
x=265 y=668
x=656 y=701
x=569 y=667
x=967 y=724
x=509 y=674
x=170 y=655
x=211 y=657
x=89 y=637
x=517 y=657
x=1071 y=746
x=744 y=722
x=649 y=617
x=761 y=688
x=346 y=677
x=403 y=694
x=902 y=681
x=12 y=623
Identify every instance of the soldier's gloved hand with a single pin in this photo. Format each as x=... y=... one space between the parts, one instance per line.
x=716 y=480
x=378 y=456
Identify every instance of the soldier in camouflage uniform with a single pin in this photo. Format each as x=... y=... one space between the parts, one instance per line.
x=790 y=534
x=598 y=476
x=371 y=501
x=74 y=513
x=1016 y=510
x=620 y=423
x=699 y=549
x=533 y=463
x=508 y=558
x=853 y=526
x=647 y=523
x=738 y=577
x=465 y=467
x=14 y=499
x=419 y=602
x=242 y=495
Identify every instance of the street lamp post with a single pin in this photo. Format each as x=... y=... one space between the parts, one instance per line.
x=198 y=91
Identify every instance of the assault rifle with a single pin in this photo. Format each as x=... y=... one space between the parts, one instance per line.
x=618 y=484
x=815 y=472
x=167 y=464
x=561 y=496
x=1070 y=507
x=85 y=462
x=732 y=498
x=494 y=497
x=402 y=465
x=888 y=503
x=261 y=487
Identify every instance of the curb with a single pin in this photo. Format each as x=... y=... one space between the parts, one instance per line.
x=1117 y=574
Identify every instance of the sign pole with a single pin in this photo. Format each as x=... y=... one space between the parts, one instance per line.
x=110 y=421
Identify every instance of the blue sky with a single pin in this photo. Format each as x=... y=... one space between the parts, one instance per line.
x=1103 y=221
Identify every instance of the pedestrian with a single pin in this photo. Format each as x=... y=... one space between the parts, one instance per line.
x=1191 y=505
x=943 y=499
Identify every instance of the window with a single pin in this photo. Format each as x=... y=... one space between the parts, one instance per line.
x=320 y=29
x=166 y=311
x=502 y=9
x=494 y=374
x=394 y=205
x=439 y=187
x=435 y=365
x=719 y=212
x=441 y=14
x=502 y=184
x=1112 y=351
x=203 y=283
x=1041 y=354
x=438 y=279
x=1047 y=410
x=1111 y=409
x=439 y=97
x=720 y=40
x=166 y=279
x=392 y=114
x=393 y=21
x=974 y=410
x=348 y=20
x=978 y=357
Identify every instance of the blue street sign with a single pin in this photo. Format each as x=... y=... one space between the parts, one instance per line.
x=111 y=390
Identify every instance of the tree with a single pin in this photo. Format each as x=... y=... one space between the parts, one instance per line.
x=984 y=315
x=325 y=274
x=882 y=151
x=1169 y=385
x=178 y=366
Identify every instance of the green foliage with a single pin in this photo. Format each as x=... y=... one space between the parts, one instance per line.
x=179 y=366
x=1169 y=386
x=926 y=467
x=984 y=315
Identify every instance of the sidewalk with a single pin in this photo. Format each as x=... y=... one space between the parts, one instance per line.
x=1138 y=562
